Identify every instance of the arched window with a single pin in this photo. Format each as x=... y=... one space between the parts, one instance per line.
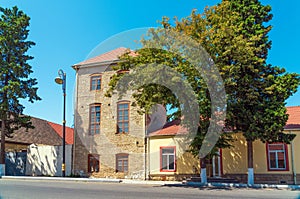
x=95 y=82
x=95 y=119
x=123 y=117
x=122 y=162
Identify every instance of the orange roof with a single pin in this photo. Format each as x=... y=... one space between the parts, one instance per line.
x=174 y=127
x=170 y=128
x=294 y=117
x=69 y=132
x=106 y=57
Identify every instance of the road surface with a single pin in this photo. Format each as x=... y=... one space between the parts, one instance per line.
x=36 y=189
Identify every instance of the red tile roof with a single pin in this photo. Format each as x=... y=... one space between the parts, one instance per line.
x=69 y=132
x=170 y=128
x=174 y=128
x=294 y=117
x=106 y=57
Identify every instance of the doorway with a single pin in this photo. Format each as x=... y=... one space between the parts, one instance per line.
x=214 y=165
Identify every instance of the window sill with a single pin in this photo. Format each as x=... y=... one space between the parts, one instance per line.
x=121 y=133
x=270 y=170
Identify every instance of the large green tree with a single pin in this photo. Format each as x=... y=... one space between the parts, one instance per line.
x=15 y=83
x=167 y=54
x=235 y=35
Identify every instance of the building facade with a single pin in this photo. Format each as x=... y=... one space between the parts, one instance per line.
x=38 y=151
x=277 y=163
x=109 y=131
x=274 y=163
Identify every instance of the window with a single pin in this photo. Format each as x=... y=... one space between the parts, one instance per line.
x=123 y=117
x=93 y=163
x=277 y=157
x=95 y=82
x=95 y=116
x=122 y=162
x=167 y=155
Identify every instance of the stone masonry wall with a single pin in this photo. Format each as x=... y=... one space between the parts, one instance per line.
x=108 y=143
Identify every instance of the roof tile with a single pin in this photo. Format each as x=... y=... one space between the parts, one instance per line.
x=69 y=132
x=43 y=133
x=294 y=117
x=170 y=128
x=108 y=56
x=174 y=127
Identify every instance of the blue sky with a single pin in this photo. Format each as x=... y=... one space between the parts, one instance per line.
x=65 y=33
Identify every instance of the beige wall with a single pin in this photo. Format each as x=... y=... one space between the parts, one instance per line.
x=185 y=162
x=296 y=145
x=235 y=159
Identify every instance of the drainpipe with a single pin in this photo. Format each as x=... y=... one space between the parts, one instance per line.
x=148 y=156
x=146 y=148
x=293 y=162
x=75 y=124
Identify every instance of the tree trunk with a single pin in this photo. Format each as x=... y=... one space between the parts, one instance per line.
x=2 y=154
x=250 y=163
x=203 y=171
x=2 y=158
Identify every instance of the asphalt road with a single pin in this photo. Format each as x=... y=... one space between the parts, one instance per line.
x=23 y=189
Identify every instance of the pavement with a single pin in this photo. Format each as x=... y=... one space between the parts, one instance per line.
x=162 y=183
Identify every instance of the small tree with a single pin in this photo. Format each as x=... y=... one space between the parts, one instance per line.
x=15 y=82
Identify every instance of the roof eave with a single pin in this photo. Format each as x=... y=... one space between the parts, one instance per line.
x=292 y=129
x=93 y=64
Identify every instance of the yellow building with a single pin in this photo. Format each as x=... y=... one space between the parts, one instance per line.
x=273 y=163
x=276 y=163
x=168 y=156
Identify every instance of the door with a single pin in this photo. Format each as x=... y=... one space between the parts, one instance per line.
x=216 y=164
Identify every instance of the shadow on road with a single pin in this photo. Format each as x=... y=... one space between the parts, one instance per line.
x=223 y=187
x=198 y=187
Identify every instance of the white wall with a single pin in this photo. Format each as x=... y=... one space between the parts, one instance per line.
x=47 y=160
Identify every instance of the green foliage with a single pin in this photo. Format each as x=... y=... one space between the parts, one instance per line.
x=15 y=83
x=235 y=35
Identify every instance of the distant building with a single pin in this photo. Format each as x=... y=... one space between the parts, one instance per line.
x=39 y=149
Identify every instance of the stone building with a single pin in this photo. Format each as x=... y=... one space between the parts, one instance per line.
x=109 y=132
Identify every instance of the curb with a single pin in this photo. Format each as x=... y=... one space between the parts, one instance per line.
x=149 y=182
x=236 y=185
x=63 y=179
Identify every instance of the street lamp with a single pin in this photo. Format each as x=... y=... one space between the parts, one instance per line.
x=62 y=80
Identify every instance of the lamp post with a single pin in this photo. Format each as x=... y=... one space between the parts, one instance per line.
x=62 y=80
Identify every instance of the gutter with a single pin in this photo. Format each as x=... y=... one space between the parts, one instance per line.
x=103 y=63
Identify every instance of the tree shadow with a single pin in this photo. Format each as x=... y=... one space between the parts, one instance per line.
x=198 y=187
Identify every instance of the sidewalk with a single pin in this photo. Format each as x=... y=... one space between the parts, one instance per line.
x=110 y=180
x=162 y=183
x=62 y=179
